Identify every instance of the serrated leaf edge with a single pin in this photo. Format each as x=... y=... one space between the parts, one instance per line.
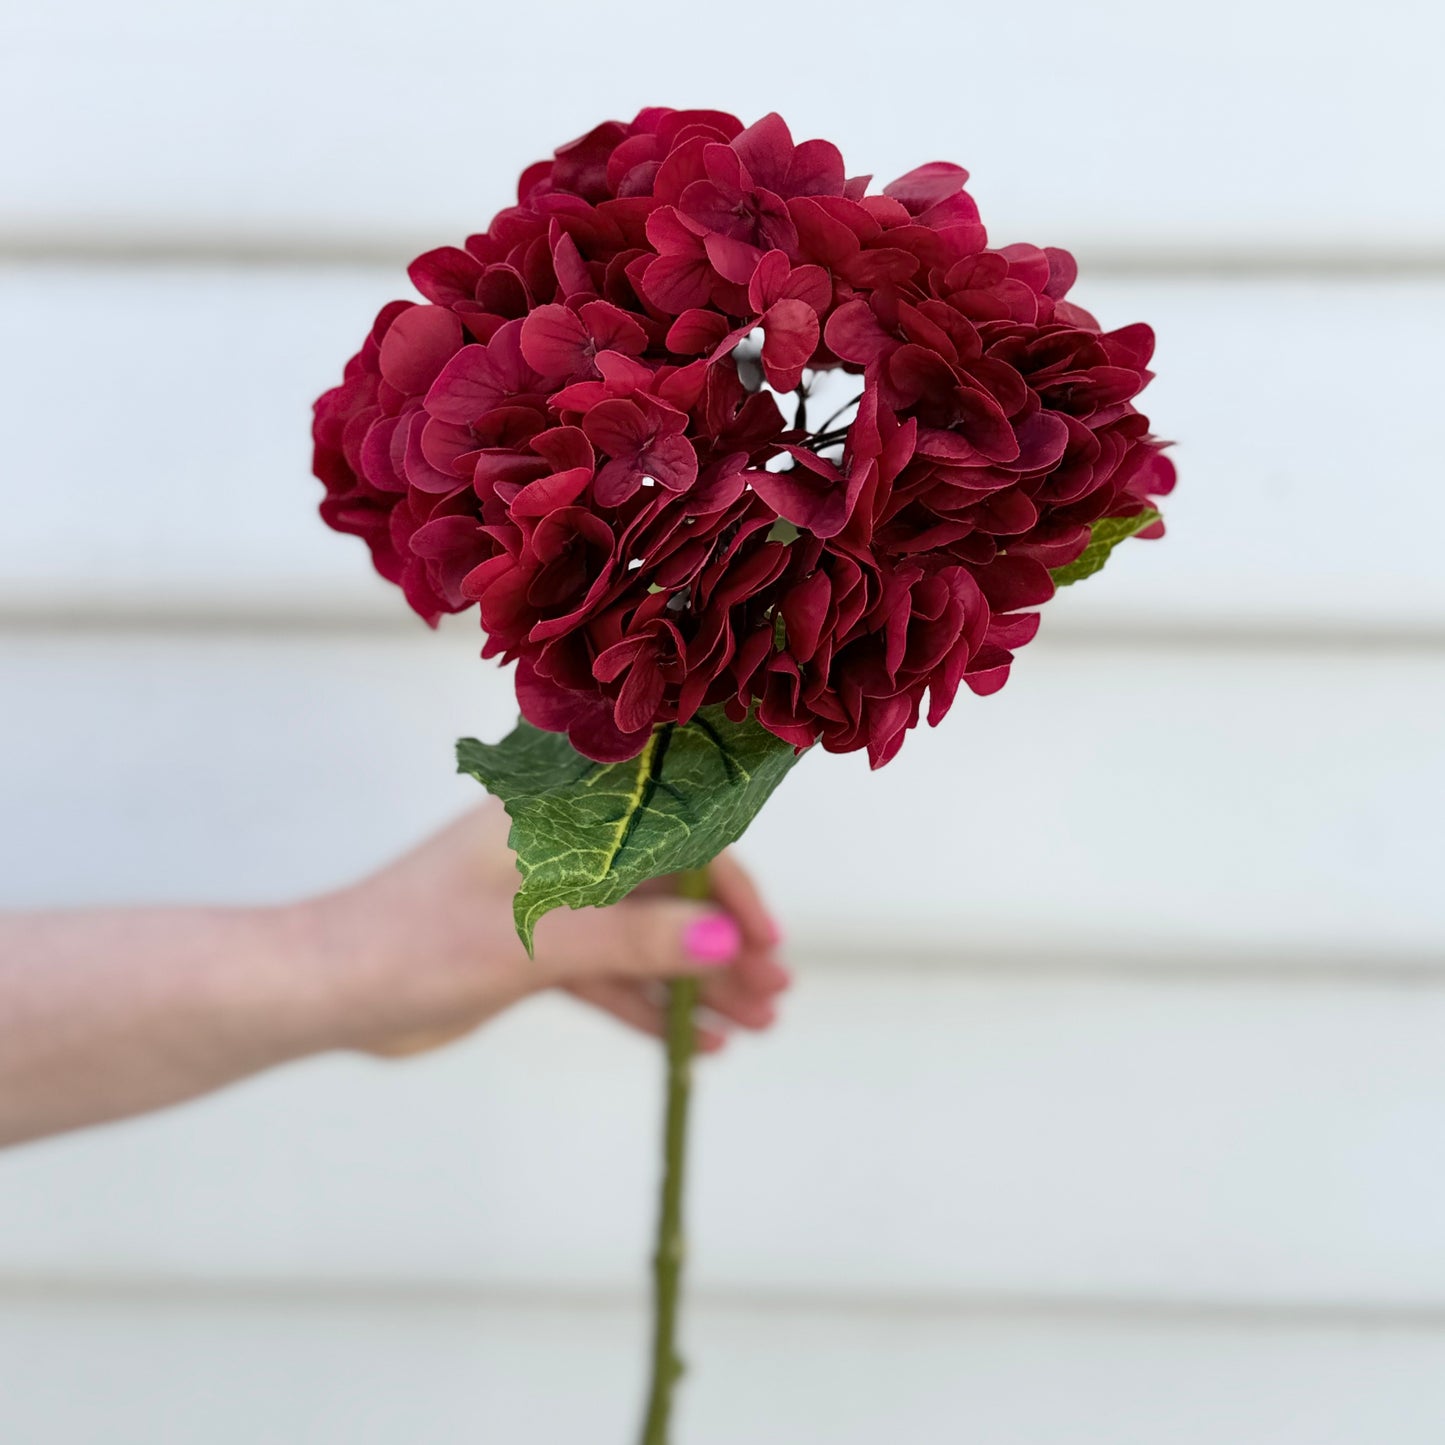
x=527 y=910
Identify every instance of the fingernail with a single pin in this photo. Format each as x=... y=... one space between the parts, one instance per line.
x=775 y=933
x=712 y=940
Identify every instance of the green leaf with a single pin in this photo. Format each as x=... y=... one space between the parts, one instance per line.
x=1104 y=536
x=588 y=833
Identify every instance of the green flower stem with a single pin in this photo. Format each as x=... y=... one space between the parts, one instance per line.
x=667 y=1366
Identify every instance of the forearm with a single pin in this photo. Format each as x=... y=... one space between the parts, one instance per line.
x=109 y=1013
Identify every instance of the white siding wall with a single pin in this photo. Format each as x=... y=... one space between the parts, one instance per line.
x=1109 y=1108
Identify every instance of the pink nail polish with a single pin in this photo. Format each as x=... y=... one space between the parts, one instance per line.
x=713 y=940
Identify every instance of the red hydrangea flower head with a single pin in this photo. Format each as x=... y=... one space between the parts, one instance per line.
x=594 y=429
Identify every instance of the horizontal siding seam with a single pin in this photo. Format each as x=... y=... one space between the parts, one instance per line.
x=168 y=617
x=1165 y=964
x=1102 y=259
x=381 y=1294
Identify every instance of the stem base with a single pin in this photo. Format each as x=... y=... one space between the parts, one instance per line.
x=669 y=1255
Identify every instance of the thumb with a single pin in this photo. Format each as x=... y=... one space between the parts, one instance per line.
x=641 y=938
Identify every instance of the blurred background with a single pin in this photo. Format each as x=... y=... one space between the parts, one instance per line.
x=1110 y=1105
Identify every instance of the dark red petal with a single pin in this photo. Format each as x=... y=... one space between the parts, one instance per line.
x=855 y=334
x=1014 y=630
x=725 y=169
x=766 y=149
x=819 y=504
x=713 y=208
x=641 y=695
x=554 y=341
x=671 y=462
x=953 y=211
x=805 y=611
x=417 y=345
x=1013 y=582
x=618 y=480
x=1043 y=438
x=446 y=275
x=768 y=279
x=546 y=494
x=790 y=337
x=678 y=283
x=1063 y=269
x=613 y=661
x=596 y=735
x=989 y=671
x=669 y=234
x=816 y=169
x=617 y=427
x=1028 y=264
x=573 y=277
x=809 y=284
x=420 y=471
x=612 y=329
x=564 y=447
x=927 y=185
x=696 y=331
x=733 y=260
x=465 y=389
x=1130 y=345
x=586 y=718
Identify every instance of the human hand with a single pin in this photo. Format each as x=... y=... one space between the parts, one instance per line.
x=425 y=951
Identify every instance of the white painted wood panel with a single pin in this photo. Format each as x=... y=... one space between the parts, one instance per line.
x=1287 y=125
x=158 y=453
x=434 y=1372
x=1123 y=1123
x=1159 y=801
x=903 y=1134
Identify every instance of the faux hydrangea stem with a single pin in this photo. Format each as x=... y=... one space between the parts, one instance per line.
x=667 y=1261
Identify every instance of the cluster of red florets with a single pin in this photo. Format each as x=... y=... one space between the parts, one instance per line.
x=578 y=433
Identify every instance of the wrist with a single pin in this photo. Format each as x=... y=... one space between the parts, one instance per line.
x=335 y=970
x=366 y=981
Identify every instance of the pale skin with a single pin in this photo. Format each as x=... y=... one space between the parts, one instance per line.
x=108 y=1013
